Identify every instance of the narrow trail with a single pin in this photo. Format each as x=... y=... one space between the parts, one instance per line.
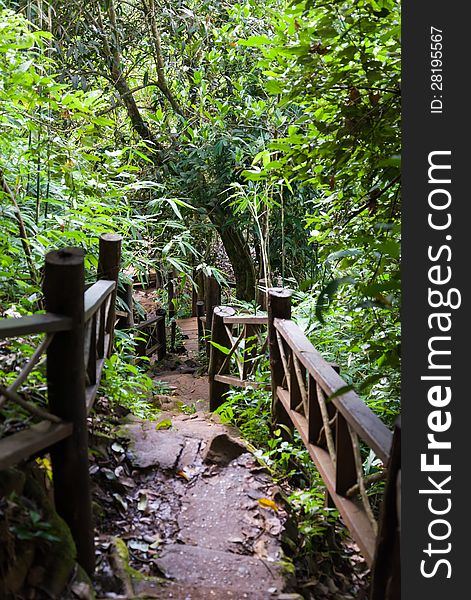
x=202 y=519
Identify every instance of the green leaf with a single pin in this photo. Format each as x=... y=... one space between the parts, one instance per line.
x=222 y=349
x=329 y=292
x=164 y=424
x=256 y=41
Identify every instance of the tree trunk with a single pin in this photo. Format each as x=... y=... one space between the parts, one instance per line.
x=237 y=252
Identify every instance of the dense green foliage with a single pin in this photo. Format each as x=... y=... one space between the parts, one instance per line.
x=251 y=140
x=270 y=131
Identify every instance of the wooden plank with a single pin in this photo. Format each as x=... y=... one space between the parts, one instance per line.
x=149 y=322
x=245 y=383
x=362 y=419
x=386 y=573
x=246 y=320
x=279 y=307
x=217 y=359
x=96 y=295
x=352 y=512
x=22 y=326
x=91 y=390
x=22 y=445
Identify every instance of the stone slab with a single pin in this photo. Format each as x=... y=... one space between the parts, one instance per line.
x=192 y=565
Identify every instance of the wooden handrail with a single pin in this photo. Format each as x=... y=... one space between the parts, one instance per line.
x=363 y=420
x=20 y=446
x=33 y=324
x=95 y=296
x=246 y=320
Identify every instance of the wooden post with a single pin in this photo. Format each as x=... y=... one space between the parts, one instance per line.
x=202 y=287
x=200 y=283
x=279 y=307
x=109 y=261
x=217 y=358
x=64 y=295
x=345 y=470
x=199 y=314
x=129 y=321
x=212 y=299
x=158 y=279
x=386 y=572
x=194 y=293
x=346 y=474
x=262 y=293
x=161 y=334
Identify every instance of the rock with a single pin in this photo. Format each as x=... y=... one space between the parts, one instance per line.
x=82 y=587
x=179 y=591
x=186 y=370
x=222 y=449
x=154 y=448
x=193 y=565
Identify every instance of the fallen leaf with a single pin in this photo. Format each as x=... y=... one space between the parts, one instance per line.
x=123 y=502
x=137 y=545
x=127 y=482
x=109 y=474
x=143 y=503
x=183 y=475
x=267 y=503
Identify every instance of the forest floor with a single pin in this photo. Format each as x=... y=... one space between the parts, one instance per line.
x=186 y=512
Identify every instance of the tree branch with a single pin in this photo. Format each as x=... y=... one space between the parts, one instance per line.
x=113 y=57
x=159 y=61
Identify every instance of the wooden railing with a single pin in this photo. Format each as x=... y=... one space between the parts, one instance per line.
x=152 y=336
x=78 y=327
x=242 y=337
x=335 y=427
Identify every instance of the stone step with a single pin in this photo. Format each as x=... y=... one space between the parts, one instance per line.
x=180 y=591
x=237 y=575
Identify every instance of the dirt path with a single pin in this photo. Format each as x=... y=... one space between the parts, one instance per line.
x=200 y=518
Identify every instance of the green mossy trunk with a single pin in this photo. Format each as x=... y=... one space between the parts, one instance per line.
x=28 y=560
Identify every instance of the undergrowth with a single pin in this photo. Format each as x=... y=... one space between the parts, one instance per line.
x=126 y=383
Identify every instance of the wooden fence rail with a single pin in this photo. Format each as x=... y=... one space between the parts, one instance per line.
x=79 y=328
x=155 y=337
x=336 y=427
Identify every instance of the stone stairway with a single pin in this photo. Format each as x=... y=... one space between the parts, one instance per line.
x=221 y=535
